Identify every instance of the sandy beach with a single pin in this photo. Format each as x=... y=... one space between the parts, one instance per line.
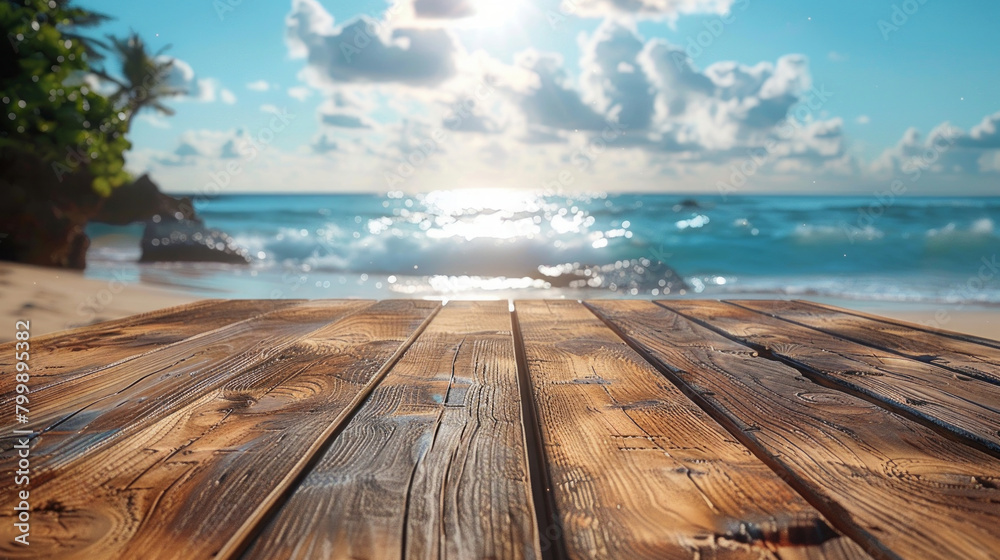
x=985 y=323
x=55 y=300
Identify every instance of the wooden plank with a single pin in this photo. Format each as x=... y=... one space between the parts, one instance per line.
x=906 y=325
x=55 y=359
x=961 y=356
x=965 y=407
x=636 y=469
x=896 y=485
x=432 y=466
x=196 y=482
x=92 y=410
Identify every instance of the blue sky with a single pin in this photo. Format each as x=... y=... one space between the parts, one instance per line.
x=700 y=123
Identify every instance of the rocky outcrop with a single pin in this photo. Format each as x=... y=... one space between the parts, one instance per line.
x=44 y=215
x=174 y=232
x=140 y=201
x=188 y=241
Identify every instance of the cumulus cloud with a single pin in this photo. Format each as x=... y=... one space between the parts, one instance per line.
x=205 y=90
x=153 y=120
x=984 y=135
x=554 y=101
x=345 y=121
x=443 y=9
x=206 y=143
x=365 y=50
x=946 y=149
x=299 y=93
x=259 y=85
x=612 y=77
x=666 y=105
x=324 y=145
x=347 y=109
x=675 y=116
x=728 y=106
x=669 y=9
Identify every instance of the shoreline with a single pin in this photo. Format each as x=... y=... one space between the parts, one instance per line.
x=58 y=299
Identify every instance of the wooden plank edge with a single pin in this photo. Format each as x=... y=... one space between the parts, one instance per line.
x=948 y=431
x=141 y=354
x=982 y=341
x=834 y=513
x=248 y=532
x=98 y=369
x=976 y=375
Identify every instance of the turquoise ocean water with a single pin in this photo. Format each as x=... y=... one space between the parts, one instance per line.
x=499 y=243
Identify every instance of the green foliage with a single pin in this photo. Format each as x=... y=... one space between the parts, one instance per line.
x=47 y=109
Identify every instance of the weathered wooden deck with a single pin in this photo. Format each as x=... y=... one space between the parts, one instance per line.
x=604 y=429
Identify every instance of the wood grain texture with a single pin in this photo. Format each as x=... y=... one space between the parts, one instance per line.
x=957 y=355
x=968 y=408
x=92 y=411
x=897 y=486
x=196 y=482
x=432 y=466
x=78 y=354
x=637 y=470
x=908 y=326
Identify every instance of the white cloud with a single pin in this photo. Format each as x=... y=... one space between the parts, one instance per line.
x=613 y=80
x=202 y=143
x=946 y=150
x=204 y=90
x=443 y=9
x=990 y=162
x=366 y=50
x=300 y=93
x=259 y=85
x=985 y=134
x=863 y=119
x=153 y=120
x=684 y=124
x=669 y=9
x=554 y=102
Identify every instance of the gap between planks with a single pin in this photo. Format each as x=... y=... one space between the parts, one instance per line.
x=962 y=409
x=963 y=356
x=244 y=537
x=550 y=530
x=718 y=373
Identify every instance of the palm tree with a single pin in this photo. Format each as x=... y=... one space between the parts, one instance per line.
x=78 y=18
x=144 y=78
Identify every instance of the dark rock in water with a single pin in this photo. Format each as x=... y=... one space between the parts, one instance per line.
x=173 y=231
x=687 y=204
x=140 y=202
x=189 y=241
x=641 y=275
